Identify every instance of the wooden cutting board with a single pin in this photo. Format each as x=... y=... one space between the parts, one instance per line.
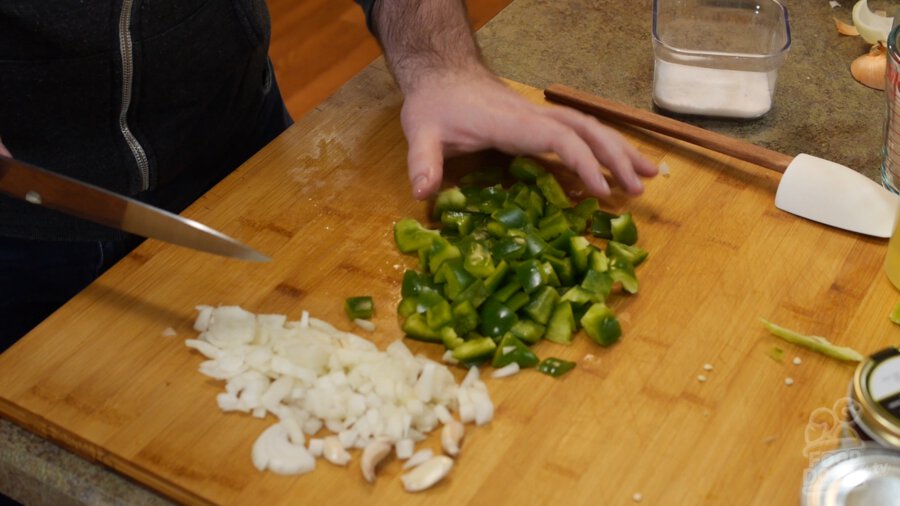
x=100 y=377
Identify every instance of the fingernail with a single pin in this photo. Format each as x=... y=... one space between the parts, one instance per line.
x=418 y=185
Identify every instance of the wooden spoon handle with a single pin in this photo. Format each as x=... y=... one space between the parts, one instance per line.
x=622 y=113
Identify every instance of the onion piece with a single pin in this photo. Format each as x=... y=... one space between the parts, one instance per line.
x=872 y=27
x=869 y=69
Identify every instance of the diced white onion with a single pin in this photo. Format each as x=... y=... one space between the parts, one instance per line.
x=507 y=370
x=312 y=376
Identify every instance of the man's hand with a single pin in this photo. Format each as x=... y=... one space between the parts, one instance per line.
x=3 y=150
x=454 y=104
x=451 y=115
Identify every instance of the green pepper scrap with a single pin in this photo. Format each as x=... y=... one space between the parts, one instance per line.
x=359 y=307
x=555 y=367
x=513 y=265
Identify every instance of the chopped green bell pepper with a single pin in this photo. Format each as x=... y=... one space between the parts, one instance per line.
x=555 y=367
x=632 y=254
x=525 y=169
x=624 y=229
x=552 y=191
x=510 y=350
x=359 y=307
x=496 y=318
x=474 y=349
x=601 y=324
x=561 y=325
x=528 y=331
x=542 y=303
x=410 y=235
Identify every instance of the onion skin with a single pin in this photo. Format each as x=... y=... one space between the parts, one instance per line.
x=869 y=69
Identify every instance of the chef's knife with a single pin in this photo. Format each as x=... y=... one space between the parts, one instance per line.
x=811 y=187
x=55 y=191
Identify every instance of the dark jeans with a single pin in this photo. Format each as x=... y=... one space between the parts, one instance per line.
x=37 y=276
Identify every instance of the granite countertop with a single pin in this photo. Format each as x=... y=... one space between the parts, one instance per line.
x=603 y=47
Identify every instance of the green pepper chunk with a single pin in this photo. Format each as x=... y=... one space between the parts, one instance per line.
x=601 y=324
x=439 y=315
x=441 y=250
x=474 y=349
x=410 y=235
x=476 y=293
x=456 y=278
x=525 y=169
x=465 y=316
x=415 y=283
x=552 y=191
x=511 y=216
x=623 y=272
x=450 y=339
x=510 y=350
x=496 y=318
x=461 y=221
x=563 y=269
x=579 y=249
x=561 y=325
x=624 y=229
x=451 y=199
x=416 y=327
x=498 y=276
x=542 y=303
x=528 y=331
x=601 y=224
x=530 y=275
x=632 y=254
x=555 y=367
x=478 y=261
x=359 y=307
x=509 y=248
x=598 y=283
x=517 y=301
x=552 y=226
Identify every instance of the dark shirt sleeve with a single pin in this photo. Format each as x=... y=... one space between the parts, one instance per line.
x=367 y=7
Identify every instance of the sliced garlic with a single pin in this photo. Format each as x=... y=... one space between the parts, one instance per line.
x=451 y=437
x=334 y=452
x=372 y=455
x=274 y=451
x=427 y=474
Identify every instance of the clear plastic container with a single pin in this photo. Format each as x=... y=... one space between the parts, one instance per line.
x=718 y=57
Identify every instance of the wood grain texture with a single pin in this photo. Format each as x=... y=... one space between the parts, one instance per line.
x=100 y=378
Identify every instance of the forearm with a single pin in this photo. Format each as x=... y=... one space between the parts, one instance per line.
x=422 y=38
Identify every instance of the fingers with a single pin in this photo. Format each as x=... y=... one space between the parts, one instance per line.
x=3 y=150
x=609 y=147
x=426 y=162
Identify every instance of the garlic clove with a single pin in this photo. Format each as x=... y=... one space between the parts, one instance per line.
x=372 y=455
x=451 y=437
x=427 y=474
x=869 y=69
x=334 y=451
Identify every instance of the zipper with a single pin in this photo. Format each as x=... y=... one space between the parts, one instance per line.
x=126 y=51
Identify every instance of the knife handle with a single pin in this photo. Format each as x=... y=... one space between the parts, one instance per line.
x=628 y=115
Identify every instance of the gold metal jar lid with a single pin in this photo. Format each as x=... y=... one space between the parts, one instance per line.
x=875 y=391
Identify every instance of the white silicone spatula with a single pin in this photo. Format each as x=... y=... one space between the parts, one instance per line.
x=811 y=187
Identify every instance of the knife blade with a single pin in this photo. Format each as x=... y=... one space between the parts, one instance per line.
x=55 y=191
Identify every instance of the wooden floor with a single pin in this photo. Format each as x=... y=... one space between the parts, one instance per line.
x=318 y=45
